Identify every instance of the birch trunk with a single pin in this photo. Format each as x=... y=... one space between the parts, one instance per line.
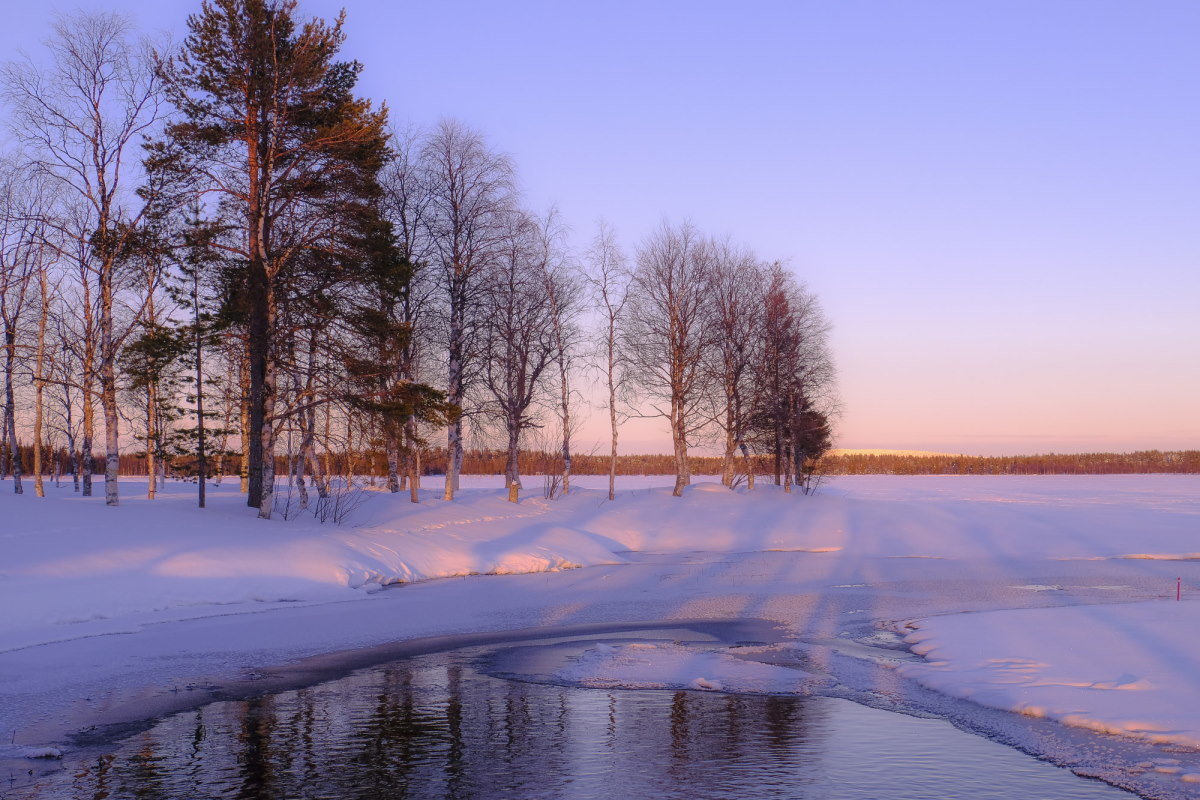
x=38 y=486
x=320 y=476
x=730 y=451
x=112 y=451
x=151 y=441
x=453 y=458
x=72 y=451
x=10 y=416
x=108 y=386
x=112 y=440
x=454 y=393
x=327 y=455
x=297 y=464
x=749 y=467
x=89 y=433
x=778 y=454
x=512 y=466
x=308 y=451
x=612 y=421
x=683 y=470
x=566 y=422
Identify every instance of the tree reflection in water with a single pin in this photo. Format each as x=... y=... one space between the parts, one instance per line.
x=435 y=727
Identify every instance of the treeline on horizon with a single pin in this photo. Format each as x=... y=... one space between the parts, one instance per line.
x=535 y=463
x=1138 y=462
x=216 y=257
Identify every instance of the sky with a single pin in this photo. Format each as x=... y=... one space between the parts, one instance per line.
x=996 y=201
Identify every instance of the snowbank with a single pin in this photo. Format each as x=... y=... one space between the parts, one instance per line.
x=1126 y=669
x=71 y=567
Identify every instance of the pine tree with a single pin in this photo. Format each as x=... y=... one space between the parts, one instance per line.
x=271 y=127
x=199 y=260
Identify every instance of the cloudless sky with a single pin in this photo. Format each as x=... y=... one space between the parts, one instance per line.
x=998 y=201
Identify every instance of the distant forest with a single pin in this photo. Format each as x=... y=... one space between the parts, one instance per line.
x=1142 y=461
x=493 y=462
x=1145 y=461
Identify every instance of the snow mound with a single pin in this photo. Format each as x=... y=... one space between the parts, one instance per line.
x=672 y=666
x=1122 y=669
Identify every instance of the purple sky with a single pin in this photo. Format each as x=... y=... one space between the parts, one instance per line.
x=998 y=202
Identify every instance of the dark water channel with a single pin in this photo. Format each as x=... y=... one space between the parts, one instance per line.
x=439 y=726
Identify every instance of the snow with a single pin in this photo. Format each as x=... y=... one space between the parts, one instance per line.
x=165 y=559
x=643 y=665
x=1124 y=669
x=13 y=751
x=1051 y=596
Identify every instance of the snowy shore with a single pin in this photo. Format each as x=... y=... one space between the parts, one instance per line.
x=1073 y=579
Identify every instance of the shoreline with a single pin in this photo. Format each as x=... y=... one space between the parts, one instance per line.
x=148 y=707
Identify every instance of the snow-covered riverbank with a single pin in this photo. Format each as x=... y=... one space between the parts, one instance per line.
x=216 y=594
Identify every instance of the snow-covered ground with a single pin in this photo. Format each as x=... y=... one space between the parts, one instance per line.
x=1069 y=581
x=1126 y=669
x=658 y=665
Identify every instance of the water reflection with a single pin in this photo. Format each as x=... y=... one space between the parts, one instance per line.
x=435 y=727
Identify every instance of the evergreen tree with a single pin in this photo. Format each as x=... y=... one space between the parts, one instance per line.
x=195 y=268
x=150 y=363
x=270 y=125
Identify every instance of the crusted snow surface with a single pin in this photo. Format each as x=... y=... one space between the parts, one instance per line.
x=1126 y=669
x=645 y=665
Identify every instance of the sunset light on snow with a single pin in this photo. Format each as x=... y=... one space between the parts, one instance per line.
x=611 y=400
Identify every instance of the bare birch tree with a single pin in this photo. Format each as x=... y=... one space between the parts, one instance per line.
x=43 y=363
x=608 y=280
x=563 y=291
x=65 y=371
x=471 y=190
x=406 y=204
x=735 y=316
x=666 y=334
x=20 y=262
x=518 y=336
x=80 y=121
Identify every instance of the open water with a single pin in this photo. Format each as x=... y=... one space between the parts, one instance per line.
x=441 y=726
